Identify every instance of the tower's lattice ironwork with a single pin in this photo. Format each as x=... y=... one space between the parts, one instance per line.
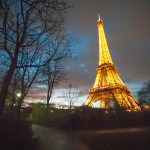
x=108 y=87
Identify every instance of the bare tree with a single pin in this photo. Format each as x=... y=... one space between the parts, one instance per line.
x=22 y=81
x=23 y=25
x=53 y=74
x=71 y=95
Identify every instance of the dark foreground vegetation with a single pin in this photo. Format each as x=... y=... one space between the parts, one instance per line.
x=85 y=118
x=16 y=135
x=118 y=141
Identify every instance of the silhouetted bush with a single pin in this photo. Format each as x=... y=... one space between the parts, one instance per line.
x=16 y=135
x=39 y=113
x=86 y=118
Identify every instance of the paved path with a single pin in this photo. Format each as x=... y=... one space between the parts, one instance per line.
x=112 y=131
x=51 y=139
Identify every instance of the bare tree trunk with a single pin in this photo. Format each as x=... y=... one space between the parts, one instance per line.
x=20 y=100
x=48 y=98
x=19 y=108
x=5 y=85
x=12 y=105
x=70 y=108
x=49 y=94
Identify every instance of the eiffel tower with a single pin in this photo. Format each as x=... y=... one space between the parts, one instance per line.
x=108 y=87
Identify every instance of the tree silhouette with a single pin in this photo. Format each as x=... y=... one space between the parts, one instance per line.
x=26 y=27
x=71 y=95
x=144 y=94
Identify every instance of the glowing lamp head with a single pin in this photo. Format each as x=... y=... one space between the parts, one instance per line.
x=19 y=95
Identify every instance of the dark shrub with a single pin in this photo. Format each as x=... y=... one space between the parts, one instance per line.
x=16 y=135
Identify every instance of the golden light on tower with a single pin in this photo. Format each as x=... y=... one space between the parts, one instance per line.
x=108 y=86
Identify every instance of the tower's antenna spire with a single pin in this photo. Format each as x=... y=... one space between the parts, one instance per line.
x=99 y=18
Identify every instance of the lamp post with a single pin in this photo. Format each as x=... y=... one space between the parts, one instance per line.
x=19 y=104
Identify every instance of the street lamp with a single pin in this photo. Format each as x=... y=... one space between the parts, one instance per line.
x=18 y=94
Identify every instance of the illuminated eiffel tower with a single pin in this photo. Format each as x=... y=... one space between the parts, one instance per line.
x=108 y=87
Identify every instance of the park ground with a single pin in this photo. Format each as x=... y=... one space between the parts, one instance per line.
x=115 y=139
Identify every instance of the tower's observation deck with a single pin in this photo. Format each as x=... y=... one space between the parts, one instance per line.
x=108 y=86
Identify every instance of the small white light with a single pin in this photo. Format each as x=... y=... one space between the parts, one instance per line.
x=19 y=95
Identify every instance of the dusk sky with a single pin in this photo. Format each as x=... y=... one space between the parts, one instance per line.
x=127 y=29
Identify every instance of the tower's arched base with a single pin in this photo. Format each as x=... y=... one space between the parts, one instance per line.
x=107 y=96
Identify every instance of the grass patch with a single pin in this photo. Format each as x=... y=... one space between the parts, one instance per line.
x=118 y=141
